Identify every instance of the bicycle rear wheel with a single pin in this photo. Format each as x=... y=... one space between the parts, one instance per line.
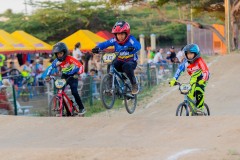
x=182 y=110
x=107 y=94
x=206 y=110
x=130 y=100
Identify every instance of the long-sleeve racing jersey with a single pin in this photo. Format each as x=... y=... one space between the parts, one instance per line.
x=124 y=55
x=197 y=68
x=70 y=66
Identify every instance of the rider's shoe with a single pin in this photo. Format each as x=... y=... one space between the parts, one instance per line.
x=200 y=111
x=81 y=112
x=135 y=89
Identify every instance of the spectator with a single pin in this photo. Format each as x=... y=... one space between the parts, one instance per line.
x=158 y=58
x=8 y=84
x=171 y=55
x=26 y=73
x=95 y=78
x=180 y=55
x=151 y=55
x=77 y=53
x=2 y=59
x=15 y=74
x=26 y=70
x=39 y=71
x=4 y=103
x=5 y=70
x=39 y=68
x=97 y=64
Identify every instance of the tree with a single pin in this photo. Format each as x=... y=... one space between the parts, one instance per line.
x=214 y=8
x=53 y=21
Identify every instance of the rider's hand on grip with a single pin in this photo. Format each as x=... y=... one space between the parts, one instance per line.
x=47 y=79
x=172 y=82
x=201 y=82
x=96 y=50
x=75 y=76
x=130 y=49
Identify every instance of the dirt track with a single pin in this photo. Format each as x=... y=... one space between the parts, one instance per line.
x=151 y=133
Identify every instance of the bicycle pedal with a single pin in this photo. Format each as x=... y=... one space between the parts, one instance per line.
x=129 y=95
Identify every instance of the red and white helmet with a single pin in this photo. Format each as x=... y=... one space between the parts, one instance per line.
x=121 y=27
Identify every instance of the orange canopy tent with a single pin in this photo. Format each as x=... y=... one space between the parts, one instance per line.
x=87 y=39
x=10 y=45
x=32 y=41
x=105 y=34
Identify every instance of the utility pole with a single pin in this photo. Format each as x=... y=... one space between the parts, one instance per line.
x=227 y=25
x=25 y=4
x=192 y=33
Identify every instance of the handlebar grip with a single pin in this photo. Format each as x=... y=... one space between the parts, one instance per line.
x=177 y=83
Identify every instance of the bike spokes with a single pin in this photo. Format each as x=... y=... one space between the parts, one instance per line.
x=183 y=110
x=107 y=92
x=54 y=107
x=130 y=100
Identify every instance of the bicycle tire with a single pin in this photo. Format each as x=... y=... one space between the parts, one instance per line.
x=183 y=107
x=54 y=105
x=54 y=110
x=130 y=98
x=66 y=110
x=207 y=109
x=131 y=109
x=25 y=96
x=105 y=91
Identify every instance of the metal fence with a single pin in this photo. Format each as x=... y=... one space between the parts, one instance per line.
x=34 y=100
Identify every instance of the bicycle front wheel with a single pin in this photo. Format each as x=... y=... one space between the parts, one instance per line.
x=182 y=110
x=130 y=100
x=107 y=94
x=55 y=110
x=54 y=106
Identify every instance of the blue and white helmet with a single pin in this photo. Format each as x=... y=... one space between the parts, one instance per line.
x=193 y=48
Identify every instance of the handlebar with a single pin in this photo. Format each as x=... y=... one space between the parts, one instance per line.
x=176 y=83
x=52 y=77
x=102 y=51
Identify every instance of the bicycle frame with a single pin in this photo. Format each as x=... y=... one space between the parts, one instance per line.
x=188 y=100
x=115 y=81
x=64 y=99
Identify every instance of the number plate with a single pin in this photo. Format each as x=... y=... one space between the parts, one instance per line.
x=59 y=83
x=108 y=57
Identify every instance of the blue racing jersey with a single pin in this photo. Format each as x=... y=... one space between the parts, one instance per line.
x=123 y=55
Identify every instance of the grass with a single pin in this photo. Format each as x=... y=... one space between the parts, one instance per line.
x=233 y=152
x=98 y=107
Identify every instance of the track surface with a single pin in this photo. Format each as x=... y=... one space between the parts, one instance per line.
x=151 y=133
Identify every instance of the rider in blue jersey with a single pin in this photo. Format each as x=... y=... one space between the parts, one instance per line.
x=128 y=47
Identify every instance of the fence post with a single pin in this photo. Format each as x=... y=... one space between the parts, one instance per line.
x=90 y=91
x=174 y=68
x=148 y=75
x=14 y=100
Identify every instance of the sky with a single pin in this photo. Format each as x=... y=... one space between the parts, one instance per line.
x=16 y=5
